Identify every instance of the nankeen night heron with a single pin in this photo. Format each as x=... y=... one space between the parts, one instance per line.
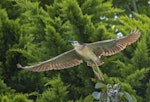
x=89 y=52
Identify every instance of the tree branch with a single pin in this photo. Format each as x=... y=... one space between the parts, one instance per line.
x=134 y=6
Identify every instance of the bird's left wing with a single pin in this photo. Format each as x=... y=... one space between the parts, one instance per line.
x=113 y=46
x=65 y=60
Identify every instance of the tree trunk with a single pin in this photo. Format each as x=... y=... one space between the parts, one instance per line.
x=134 y=6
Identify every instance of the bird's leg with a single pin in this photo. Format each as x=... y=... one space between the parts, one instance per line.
x=98 y=72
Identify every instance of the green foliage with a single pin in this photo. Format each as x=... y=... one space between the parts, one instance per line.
x=24 y=53
x=1 y=66
x=56 y=91
x=14 y=98
x=4 y=88
x=141 y=7
x=148 y=92
x=138 y=75
x=4 y=99
x=36 y=30
x=28 y=81
x=21 y=98
x=89 y=98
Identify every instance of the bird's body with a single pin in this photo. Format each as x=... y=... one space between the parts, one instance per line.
x=89 y=52
x=85 y=53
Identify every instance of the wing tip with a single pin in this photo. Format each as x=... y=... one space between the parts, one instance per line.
x=135 y=34
x=135 y=31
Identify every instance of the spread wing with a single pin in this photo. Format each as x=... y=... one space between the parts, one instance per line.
x=113 y=46
x=65 y=60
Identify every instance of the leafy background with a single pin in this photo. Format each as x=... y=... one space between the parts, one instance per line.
x=36 y=30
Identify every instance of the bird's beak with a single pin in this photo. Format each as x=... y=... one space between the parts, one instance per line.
x=70 y=41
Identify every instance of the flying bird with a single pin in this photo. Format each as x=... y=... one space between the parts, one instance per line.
x=89 y=52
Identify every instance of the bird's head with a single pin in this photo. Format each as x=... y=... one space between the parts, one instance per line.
x=74 y=43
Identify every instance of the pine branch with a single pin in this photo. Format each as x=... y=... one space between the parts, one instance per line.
x=24 y=53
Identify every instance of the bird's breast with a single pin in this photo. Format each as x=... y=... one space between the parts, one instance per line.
x=86 y=53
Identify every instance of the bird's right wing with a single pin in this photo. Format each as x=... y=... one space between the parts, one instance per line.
x=113 y=46
x=65 y=60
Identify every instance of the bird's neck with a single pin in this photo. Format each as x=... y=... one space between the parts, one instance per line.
x=80 y=47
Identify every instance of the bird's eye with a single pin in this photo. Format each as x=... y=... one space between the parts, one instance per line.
x=75 y=42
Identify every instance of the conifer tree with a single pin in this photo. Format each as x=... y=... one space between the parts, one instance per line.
x=36 y=30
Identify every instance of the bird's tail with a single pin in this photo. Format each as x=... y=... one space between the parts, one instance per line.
x=98 y=73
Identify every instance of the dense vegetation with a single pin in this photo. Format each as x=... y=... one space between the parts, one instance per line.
x=36 y=30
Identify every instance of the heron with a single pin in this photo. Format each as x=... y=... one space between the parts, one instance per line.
x=91 y=53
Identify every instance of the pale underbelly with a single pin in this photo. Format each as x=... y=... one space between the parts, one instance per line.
x=87 y=55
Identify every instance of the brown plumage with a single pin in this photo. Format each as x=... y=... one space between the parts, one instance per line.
x=90 y=52
x=66 y=60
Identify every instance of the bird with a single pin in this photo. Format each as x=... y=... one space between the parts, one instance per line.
x=91 y=53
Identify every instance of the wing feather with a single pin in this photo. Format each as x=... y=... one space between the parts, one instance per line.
x=113 y=46
x=65 y=60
